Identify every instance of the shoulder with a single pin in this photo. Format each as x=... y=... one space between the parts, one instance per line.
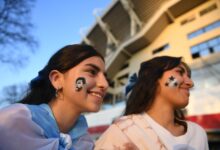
x=16 y=127
x=194 y=126
x=117 y=126
x=197 y=135
x=196 y=130
x=14 y=117
x=17 y=117
x=14 y=108
x=125 y=121
x=114 y=136
x=14 y=111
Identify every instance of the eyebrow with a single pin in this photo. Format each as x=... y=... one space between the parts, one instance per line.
x=96 y=68
x=184 y=70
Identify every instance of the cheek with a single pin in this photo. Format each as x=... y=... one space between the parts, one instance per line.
x=90 y=83
x=69 y=84
x=172 y=81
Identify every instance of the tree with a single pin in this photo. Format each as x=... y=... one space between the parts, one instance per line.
x=14 y=93
x=15 y=27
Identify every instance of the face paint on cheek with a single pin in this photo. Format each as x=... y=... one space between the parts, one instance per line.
x=172 y=82
x=80 y=83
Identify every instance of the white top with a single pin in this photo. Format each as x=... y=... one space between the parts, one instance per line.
x=194 y=139
x=141 y=132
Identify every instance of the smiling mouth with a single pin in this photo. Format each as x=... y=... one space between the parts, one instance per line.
x=96 y=94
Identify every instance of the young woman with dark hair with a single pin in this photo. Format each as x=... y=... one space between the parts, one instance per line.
x=49 y=117
x=153 y=118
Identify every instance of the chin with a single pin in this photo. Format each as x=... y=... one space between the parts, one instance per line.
x=182 y=105
x=95 y=109
x=182 y=101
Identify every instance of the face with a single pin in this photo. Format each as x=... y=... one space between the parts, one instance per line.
x=89 y=97
x=174 y=87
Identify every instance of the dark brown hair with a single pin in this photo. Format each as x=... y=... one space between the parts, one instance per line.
x=41 y=89
x=143 y=93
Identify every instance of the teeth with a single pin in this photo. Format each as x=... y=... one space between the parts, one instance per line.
x=96 y=94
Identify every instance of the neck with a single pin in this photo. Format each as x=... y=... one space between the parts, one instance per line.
x=64 y=115
x=162 y=113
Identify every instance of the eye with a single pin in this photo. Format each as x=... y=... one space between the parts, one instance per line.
x=92 y=72
x=180 y=71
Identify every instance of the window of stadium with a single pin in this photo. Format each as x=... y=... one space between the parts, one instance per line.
x=206 y=48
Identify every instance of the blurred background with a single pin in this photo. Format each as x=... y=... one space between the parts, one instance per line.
x=126 y=32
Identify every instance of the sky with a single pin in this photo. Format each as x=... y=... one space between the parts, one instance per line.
x=56 y=24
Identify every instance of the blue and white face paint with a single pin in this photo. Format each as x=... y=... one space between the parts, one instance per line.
x=80 y=83
x=172 y=82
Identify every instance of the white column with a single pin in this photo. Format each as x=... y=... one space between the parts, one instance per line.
x=111 y=40
x=85 y=39
x=135 y=21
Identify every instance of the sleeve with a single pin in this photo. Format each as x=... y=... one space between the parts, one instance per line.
x=205 y=138
x=113 y=139
x=200 y=137
x=19 y=132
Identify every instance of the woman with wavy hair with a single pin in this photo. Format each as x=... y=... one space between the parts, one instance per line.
x=153 y=118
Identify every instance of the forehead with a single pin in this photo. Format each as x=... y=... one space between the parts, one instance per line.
x=94 y=61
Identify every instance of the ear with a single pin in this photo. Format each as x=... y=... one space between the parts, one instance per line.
x=56 y=79
x=159 y=84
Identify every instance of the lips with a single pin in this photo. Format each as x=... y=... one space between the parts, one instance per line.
x=97 y=94
x=186 y=91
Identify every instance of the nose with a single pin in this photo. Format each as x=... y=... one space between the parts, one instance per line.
x=102 y=82
x=189 y=82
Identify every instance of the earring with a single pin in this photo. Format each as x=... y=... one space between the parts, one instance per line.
x=57 y=91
